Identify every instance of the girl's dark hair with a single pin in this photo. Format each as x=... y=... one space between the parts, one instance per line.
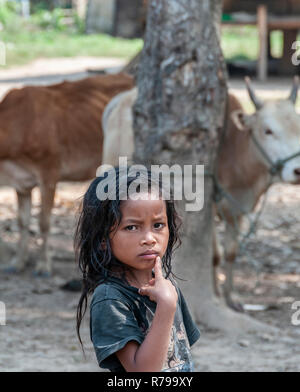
x=96 y=219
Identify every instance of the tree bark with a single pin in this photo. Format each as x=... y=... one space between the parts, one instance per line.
x=132 y=67
x=6 y=252
x=217 y=8
x=178 y=119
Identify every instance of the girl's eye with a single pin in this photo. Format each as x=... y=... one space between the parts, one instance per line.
x=130 y=228
x=268 y=132
x=161 y=225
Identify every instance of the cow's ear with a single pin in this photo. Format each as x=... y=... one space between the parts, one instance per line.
x=239 y=119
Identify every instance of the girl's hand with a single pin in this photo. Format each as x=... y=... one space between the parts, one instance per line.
x=160 y=290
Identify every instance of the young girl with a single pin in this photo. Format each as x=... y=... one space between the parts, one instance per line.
x=139 y=320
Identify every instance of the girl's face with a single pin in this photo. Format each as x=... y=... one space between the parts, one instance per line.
x=142 y=235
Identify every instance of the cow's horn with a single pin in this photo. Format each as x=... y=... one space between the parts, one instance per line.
x=294 y=92
x=257 y=102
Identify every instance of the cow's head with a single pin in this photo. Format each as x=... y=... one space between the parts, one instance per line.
x=275 y=125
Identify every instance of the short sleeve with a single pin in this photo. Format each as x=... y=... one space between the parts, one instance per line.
x=113 y=325
x=191 y=328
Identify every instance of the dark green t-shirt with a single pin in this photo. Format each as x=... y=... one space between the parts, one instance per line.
x=120 y=314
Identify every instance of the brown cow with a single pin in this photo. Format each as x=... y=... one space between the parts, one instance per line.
x=243 y=167
x=50 y=134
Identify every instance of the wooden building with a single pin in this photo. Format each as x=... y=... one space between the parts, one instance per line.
x=268 y=15
x=275 y=7
x=77 y=5
x=127 y=18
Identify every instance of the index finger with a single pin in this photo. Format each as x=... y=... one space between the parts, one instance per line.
x=158 y=268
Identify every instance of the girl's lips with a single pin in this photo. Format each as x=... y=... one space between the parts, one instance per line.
x=149 y=256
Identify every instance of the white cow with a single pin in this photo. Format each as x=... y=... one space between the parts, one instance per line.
x=257 y=150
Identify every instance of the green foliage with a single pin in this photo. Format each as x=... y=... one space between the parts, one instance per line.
x=48 y=34
x=50 y=20
x=42 y=18
x=9 y=14
x=242 y=43
x=56 y=20
x=79 y=24
x=27 y=45
x=39 y=6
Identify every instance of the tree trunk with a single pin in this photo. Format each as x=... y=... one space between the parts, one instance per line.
x=6 y=253
x=132 y=67
x=130 y=19
x=178 y=119
x=217 y=8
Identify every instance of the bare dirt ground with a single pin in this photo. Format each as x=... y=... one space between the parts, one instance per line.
x=39 y=334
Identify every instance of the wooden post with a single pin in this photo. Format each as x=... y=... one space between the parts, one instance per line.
x=262 y=24
x=25 y=8
x=100 y=16
x=80 y=7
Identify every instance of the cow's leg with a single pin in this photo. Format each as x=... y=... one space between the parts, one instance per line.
x=216 y=262
x=230 y=250
x=24 y=213
x=44 y=265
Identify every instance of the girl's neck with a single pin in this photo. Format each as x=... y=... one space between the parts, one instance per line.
x=138 y=278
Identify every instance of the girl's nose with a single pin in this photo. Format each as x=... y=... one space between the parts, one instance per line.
x=148 y=238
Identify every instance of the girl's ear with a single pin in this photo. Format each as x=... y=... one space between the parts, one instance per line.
x=103 y=244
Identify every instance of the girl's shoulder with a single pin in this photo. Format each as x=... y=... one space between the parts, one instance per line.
x=109 y=290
